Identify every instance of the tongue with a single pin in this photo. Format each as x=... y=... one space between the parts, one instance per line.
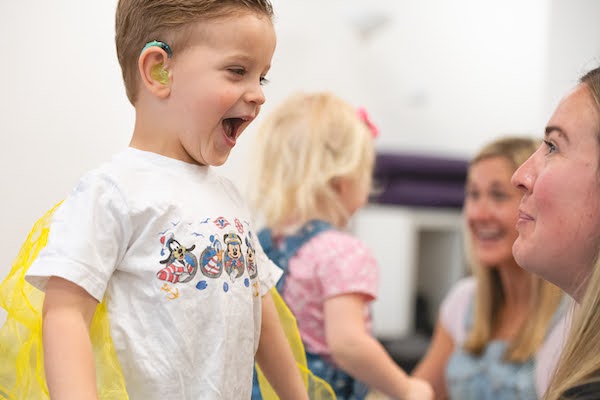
x=228 y=127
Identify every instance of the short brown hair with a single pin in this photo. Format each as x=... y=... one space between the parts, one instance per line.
x=140 y=21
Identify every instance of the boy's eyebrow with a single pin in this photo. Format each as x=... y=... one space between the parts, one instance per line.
x=243 y=57
x=552 y=128
x=240 y=56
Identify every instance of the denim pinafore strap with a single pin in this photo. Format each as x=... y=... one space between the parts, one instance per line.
x=344 y=386
x=488 y=376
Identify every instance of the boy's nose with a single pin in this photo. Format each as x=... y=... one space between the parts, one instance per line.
x=256 y=95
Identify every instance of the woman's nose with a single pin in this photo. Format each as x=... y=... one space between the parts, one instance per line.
x=523 y=177
x=478 y=209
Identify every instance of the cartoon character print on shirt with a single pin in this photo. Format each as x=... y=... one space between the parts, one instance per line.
x=233 y=257
x=251 y=265
x=181 y=263
x=251 y=258
x=211 y=259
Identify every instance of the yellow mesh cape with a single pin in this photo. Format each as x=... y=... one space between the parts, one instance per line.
x=21 y=356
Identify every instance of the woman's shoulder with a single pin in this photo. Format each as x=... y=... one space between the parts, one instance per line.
x=549 y=352
x=454 y=308
x=461 y=293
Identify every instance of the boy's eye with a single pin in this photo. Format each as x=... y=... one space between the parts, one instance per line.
x=238 y=71
x=264 y=81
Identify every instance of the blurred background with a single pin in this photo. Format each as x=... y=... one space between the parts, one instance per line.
x=439 y=77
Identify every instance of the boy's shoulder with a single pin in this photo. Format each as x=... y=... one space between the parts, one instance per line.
x=136 y=168
x=115 y=171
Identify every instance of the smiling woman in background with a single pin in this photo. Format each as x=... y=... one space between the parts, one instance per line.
x=499 y=331
x=559 y=229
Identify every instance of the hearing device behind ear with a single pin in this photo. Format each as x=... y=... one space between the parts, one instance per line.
x=160 y=73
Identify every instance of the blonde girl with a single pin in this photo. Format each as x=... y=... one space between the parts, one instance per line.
x=315 y=157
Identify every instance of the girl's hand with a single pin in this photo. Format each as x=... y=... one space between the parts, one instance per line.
x=419 y=389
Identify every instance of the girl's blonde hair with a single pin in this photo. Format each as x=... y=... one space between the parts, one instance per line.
x=579 y=362
x=489 y=297
x=303 y=148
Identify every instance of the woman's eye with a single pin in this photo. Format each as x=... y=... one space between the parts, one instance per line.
x=471 y=194
x=551 y=147
x=499 y=195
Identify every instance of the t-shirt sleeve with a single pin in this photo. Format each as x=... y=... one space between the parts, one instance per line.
x=268 y=272
x=549 y=352
x=454 y=308
x=345 y=265
x=89 y=234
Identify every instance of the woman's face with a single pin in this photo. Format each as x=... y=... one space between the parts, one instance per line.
x=559 y=215
x=491 y=204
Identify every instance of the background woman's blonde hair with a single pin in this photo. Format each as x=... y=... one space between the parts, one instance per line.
x=141 y=21
x=489 y=297
x=580 y=359
x=307 y=144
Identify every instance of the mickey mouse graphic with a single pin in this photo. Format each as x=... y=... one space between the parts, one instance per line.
x=181 y=264
x=234 y=259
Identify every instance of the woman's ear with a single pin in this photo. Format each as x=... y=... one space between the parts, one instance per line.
x=153 y=68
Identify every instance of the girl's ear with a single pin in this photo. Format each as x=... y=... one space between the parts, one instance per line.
x=153 y=66
x=340 y=185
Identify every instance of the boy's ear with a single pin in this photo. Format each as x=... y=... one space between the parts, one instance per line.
x=153 y=68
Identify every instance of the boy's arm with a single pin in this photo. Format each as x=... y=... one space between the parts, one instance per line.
x=68 y=356
x=274 y=355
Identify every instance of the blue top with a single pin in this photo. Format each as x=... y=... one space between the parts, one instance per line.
x=489 y=376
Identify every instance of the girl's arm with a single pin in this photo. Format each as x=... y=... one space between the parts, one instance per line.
x=275 y=358
x=433 y=366
x=359 y=354
x=68 y=356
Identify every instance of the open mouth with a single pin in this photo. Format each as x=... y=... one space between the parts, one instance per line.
x=231 y=126
x=488 y=234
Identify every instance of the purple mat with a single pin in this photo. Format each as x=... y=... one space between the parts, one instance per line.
x=419 y=180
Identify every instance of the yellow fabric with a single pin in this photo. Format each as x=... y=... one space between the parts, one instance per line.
x=21 y=356
x=318 y=389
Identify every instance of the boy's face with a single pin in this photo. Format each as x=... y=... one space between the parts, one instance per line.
x=216 y=86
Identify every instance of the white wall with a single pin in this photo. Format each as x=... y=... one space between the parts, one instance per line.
x=439 y=76
x=573 y=46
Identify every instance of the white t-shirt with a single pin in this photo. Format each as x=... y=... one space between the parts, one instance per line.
x=453 y=317
x=171 y=247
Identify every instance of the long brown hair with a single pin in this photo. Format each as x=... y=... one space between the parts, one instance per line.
x=579 y=362
x=489 y=297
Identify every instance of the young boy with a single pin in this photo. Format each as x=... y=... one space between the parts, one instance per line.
x=157 y=233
